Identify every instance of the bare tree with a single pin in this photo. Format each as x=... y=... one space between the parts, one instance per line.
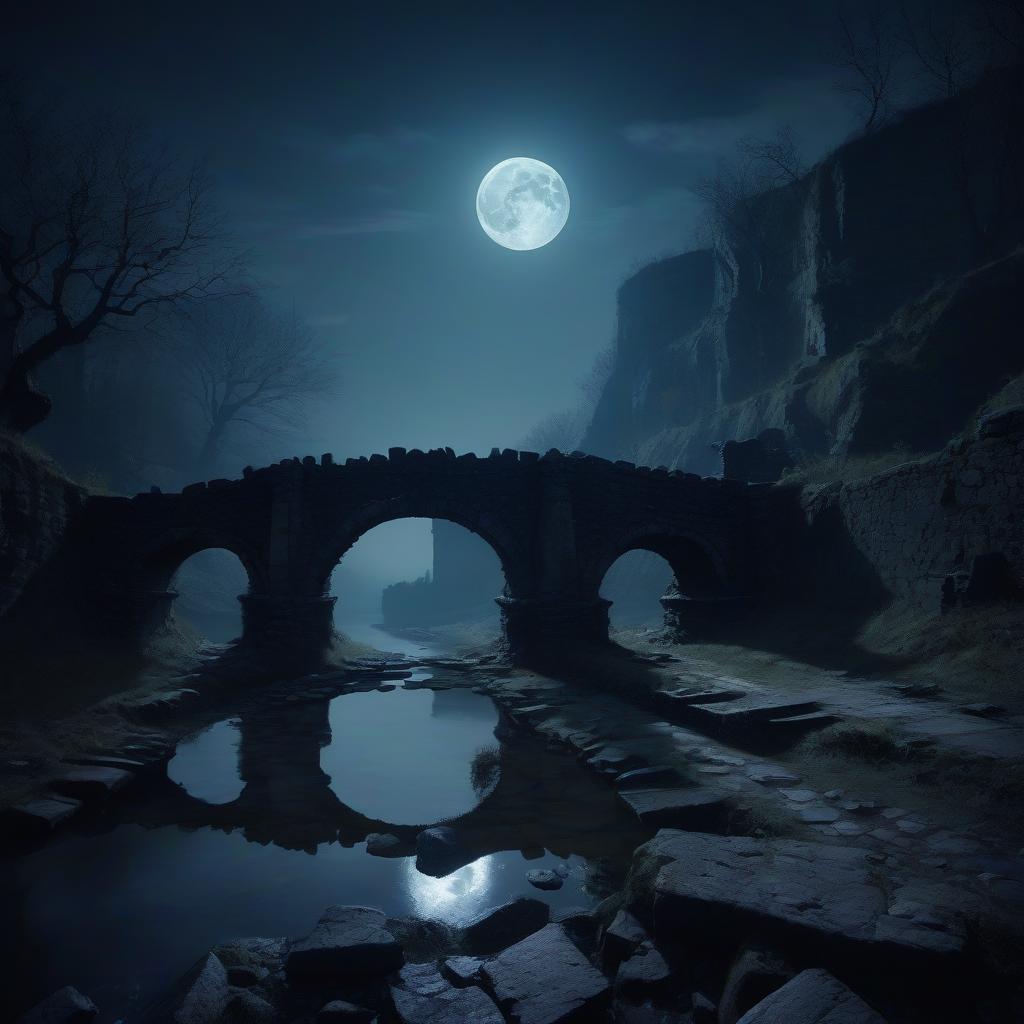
x=778 y=159
x=945 y=40
x=247 y=366
x=94 y=231
x=744 y=192
x=868 y=53
x=562 y=431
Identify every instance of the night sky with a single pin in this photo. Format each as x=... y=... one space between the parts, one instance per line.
x=348 y=142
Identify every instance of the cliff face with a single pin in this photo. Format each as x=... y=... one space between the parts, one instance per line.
x=879 y=283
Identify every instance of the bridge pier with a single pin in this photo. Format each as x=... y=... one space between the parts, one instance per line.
x=700 y=616
x=533 y=624
x=275 y=621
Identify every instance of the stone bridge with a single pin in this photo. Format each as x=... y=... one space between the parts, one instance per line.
x=556 y=523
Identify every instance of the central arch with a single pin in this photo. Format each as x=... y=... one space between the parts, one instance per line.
x=359 y=522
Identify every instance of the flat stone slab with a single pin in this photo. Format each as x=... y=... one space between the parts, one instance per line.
x=37 y=817
x=771 y=775
x=826 y=893
x=689 y=808
x=644 y=778
x=91 y=782
x=423 y=996
x=545 y=979
x=346 y=942
x=812 y=997
x=750 y=709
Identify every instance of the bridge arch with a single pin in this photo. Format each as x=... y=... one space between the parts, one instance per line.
x=162 y=558
x=699 y=568
x=354 y=525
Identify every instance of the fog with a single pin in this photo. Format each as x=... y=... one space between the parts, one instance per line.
x=344 y=158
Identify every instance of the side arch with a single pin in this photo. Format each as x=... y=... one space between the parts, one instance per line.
x=698 y=567
x=161 y=559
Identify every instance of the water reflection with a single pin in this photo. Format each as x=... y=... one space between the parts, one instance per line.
x=206 y=765
x=451 y=898
x=405 y=756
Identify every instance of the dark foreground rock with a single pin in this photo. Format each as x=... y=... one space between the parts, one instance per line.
x=497 y=929
x=812 y=997
x=65 y=1006
x=423 y=996
x=41 y=816
x=438 y=851
x=545 y=979
x=347 y=942
x=206 y=994
x=824 y=897
x=338 y=1011
x=645 y=975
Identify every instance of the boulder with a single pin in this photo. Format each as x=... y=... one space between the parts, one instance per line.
x=462 y=970
x=620 y=938
x=812 y=997
x=340 y=1012
x=645 y=975
x=438 y=851
x=206 y=995
x=823 y=896
x=581 y=925
x=249 y=1008
x=65 y=1006
x=500 y=927
x=542 y=878
x=545 y=979
x=423 y=996
x=347 y=942
x=756 y=972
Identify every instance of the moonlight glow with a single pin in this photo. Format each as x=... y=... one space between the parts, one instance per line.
x=522 y=203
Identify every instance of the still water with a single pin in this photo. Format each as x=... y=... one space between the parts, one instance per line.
x=122 y=908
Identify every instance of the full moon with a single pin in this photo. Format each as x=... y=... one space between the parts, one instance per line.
x=522 y=203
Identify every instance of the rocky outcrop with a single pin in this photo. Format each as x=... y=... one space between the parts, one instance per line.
x=874 y=301
x=813 y=997
x=347 y=942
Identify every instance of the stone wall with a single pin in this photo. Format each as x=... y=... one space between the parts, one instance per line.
x=914 y=534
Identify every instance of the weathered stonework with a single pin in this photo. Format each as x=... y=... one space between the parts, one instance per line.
x=556 y=523
x=908 y=530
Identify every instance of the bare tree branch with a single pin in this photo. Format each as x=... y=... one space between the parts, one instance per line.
x=92 y=228
x=243 y=363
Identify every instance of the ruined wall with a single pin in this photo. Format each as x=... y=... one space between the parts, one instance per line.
x=907 y=534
